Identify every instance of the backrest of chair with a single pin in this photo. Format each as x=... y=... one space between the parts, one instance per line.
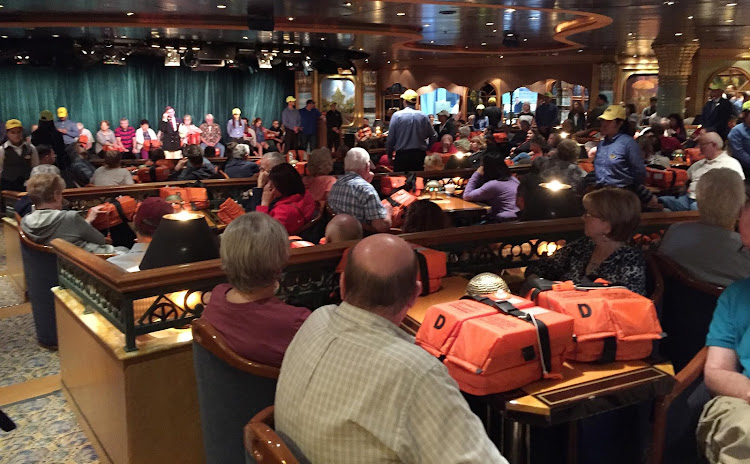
x=654 y=280
x=687 y=310
x=263 y=444
x=231 y=390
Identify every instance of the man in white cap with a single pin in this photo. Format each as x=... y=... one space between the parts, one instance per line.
x=409 y=135
x=480 y=121
x=292 y=123
x=618 y=161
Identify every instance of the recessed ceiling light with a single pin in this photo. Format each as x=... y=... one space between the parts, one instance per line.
x=677 y=34
x=155 y=46
x=400 y=13
x=361 y=49
x=466 y=46
x=489 y=24
x=525 y=40
x=432 y=41
x=123 y=37
x=1 y=6
x=501 y=56
x=348 y=4
x=630 y=34
x=55 y=35
x=196 y=49
x=534 y=17
x=580 y=50
x=729 y=21
x=695 y=40
x=367 y=60
x=669 y=3
x=510 y=10
x=510 y=34
x=690 y=17
x=635 y=56
x=130 y=13
x=426 y=25
x=494 y=30
x=484 y=43
x=221 y=7
x=291 y=18
x=322 y=38
x=732 y=4
x=4 y=36
x=389 y=61
x=244 y=37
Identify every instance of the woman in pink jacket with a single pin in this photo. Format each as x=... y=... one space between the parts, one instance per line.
x=286 y=199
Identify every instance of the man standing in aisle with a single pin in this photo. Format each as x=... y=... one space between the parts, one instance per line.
x=309 y=116
x=290 y=120
x=717 y=112
x=546 y=115
x=409 y=135
x=494 y=114
x=333 y=124
x=66 y=127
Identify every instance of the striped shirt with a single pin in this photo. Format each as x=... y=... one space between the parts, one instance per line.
x=354 y=388
x=126 y=136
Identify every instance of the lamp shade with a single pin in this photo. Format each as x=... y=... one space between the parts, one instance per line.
x=180 y=238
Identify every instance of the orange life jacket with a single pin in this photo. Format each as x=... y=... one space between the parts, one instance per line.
x=399 y=201
x=153 y=173
x=610 y=323
x=229 y=211
x=496 y=343
x=390 y=184
x=121 y=209
x=666 y=178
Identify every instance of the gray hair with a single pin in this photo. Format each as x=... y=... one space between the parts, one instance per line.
x=721 y=196
x=320 y=162
x=44 y=169
x=274 y=158
x=464 y=131
x=240 y=151
x=357 y=160
x=254 y=250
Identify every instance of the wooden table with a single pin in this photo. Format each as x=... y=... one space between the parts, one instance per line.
x=462 y=212
x=586 y=389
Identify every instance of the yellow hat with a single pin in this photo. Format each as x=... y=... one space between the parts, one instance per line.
x=236 y=111
x=12 y=124
x=62 y=112
x=480 y=106
x=290 y=99
x=409 y=95
x=714 y=86
x=614 y=112
x=746 y=106
x=492 y=100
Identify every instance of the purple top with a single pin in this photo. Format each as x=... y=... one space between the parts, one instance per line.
x=260 y=330
x=500 y=195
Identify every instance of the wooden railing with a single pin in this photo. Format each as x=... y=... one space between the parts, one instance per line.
x=147 y=301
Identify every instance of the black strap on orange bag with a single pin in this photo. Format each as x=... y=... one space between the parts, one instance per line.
x=542 y=332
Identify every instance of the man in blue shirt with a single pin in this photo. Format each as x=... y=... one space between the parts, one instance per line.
x=409 y=135
x=290 y=121
x=618 y=161
x=724 y=427
x=309 y=116
x=739 y=139
x=66 y=127
x=546 y=115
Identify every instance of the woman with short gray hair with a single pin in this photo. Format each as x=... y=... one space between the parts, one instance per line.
x=710 y=249
x=255 y=324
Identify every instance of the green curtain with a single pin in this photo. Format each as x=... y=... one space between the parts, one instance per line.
x=141 y=90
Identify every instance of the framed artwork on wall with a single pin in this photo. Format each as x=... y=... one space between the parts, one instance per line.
x=342 y=91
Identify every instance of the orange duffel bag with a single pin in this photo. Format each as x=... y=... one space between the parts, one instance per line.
x=153 y=173
x=492 y=346
x=399 y=201
x=121 y=209
x=390 y=184
x=611 y=324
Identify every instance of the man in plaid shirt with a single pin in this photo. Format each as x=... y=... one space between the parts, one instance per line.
x=354 y=388
x=353 y=194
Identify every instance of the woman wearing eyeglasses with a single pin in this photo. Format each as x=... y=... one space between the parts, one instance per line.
x=610 y=219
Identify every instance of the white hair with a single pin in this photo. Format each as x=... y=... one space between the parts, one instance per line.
x=44 y=169
x=240 y=151
x=357 y=160
x=274 y=158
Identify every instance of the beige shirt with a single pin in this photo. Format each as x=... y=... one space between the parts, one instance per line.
x=703 y=166
x=354 y=388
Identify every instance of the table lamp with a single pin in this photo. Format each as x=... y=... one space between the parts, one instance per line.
x=485 y=283
x=433 y=187
x=180 y=238
x=555 y=185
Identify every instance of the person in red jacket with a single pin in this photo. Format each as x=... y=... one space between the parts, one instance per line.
x=286 y=200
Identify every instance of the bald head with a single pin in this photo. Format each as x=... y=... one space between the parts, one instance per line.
x=343 y=227
x=381 y=277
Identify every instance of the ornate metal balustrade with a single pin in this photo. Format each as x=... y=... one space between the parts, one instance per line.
x=147 y=301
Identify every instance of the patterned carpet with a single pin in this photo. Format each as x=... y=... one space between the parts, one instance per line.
x=47 y=430
x=47 y=433
x=21 y=359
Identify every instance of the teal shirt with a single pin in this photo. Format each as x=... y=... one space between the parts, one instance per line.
x=730 y=327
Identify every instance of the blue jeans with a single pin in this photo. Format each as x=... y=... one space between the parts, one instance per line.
x=681 y=203
x=521 y=156
x=218 y=145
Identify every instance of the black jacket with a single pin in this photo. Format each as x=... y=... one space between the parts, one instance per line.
x=715 y=118
x=170 y=136
x=333 y=119
x=47 y=134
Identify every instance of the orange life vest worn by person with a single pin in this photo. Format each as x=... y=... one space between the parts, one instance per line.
x=286 y=199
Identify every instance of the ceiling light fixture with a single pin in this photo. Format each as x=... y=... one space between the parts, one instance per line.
x=432 y=41
x=489 y=24
x=291 y=18
x=534 y=17
x=322 y=38
x=426 y=25
x=695 y=40
x=525 y=40
x=55 y=35
x=669 y=3
x=494 y=30
x=677 y=34
x=4 y=36
x=510 y=10
x=484 y=43
x=221 y=7
x=690 y=17
x=732 y=4
x=635 y=56
x=244 y=37
x=501 y=56
x=729 y=21
x=580 y=50
x=400 y=13
x=154 y=45
x=129 y=13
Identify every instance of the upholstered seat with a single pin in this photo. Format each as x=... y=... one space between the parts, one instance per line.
x=40 y=272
